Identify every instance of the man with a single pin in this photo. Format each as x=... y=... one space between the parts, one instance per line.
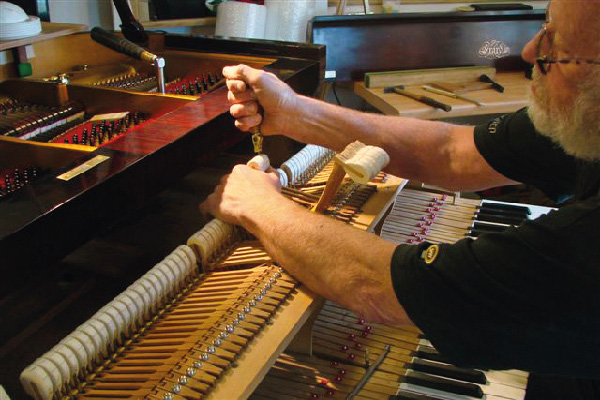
x=528 y=298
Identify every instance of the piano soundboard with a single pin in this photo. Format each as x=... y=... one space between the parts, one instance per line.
x=213 y=318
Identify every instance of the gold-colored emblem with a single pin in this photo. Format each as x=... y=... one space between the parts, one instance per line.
x=430 y=254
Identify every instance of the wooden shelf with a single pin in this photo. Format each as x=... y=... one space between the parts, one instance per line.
x=49 y=31
x=513 y=98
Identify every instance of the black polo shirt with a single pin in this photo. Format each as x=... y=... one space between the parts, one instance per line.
x=527 y=298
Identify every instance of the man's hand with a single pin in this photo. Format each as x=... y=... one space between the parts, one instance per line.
x=240 y=194
x=249 y=90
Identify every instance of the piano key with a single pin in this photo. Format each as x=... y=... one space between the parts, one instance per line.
x=430 y=353
x=448 y=370
x=501 y=219
x=443 y=384
x=506 y=207
x=406 y=395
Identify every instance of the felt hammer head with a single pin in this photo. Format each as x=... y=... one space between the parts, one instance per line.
x=390 y=89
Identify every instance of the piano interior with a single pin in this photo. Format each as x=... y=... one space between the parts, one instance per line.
x=115 y=286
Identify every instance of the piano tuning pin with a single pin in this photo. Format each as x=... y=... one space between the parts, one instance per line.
x=197 y=365
x=183 y=380
x=211 y=350
x=217 y=342
x=247 y=309
x=192 y=371
x=241 y=316
x=204 y=356
x=235 y=321
x=258 y=297
x=223 y=335
x=229 y=328
x=168 y=396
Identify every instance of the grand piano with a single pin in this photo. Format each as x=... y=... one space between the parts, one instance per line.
x=70 y=246
x=48 y=285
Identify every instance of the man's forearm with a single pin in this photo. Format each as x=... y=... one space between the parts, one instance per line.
x=335 y=260
x=427 y=151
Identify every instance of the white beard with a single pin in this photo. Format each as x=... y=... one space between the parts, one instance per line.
x=576 y=129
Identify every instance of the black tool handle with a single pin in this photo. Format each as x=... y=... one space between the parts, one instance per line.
x=495 y=85
x=131 y=28
x=434 y=103
x=117 y=43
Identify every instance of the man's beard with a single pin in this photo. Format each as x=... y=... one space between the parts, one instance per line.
x=575 y=127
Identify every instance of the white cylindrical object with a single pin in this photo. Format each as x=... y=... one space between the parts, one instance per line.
x=287 y=19
x=260 y=162
x=237 y=19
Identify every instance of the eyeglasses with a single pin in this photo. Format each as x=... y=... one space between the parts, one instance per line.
x=545 y=61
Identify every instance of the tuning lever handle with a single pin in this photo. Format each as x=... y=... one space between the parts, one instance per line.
x=121 y=45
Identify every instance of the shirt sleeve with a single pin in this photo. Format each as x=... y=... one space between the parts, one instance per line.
x=511 y=145
x=526 y=298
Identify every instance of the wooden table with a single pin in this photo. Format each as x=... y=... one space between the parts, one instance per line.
x=513 y=98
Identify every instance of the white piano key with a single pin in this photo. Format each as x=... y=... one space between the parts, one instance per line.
x=433 y=392
x=507 y=378
x=509 y=383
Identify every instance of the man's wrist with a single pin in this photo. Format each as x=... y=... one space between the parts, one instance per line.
x=263 y=213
